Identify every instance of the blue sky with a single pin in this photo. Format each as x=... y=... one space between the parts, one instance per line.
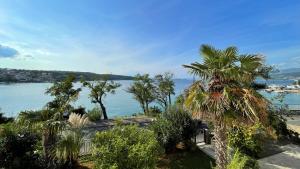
x=134 y=36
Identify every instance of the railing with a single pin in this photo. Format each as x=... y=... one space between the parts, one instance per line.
x=86 y=147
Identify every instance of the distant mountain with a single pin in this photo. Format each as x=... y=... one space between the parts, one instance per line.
x=292 y=73
x=19 y=75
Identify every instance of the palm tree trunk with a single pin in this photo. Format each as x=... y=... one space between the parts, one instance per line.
x=47 y=143
x=220 y=143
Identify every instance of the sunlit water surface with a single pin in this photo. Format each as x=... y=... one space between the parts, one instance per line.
x=31 y=96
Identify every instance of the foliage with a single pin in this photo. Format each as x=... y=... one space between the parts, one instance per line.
x=174 y=126
x=179 y=100
x=125 y=147
x=164 y=88
x=67 y=148
x=278 y=123
x=99 y=90
x=258 y=86
x=17 y=149
x=225 y=89
x=95 y=114
x=4 y=119
x=69 y=142
x=247 y=139
x=143 y=91
x=46 y=124
x=34 y=76
x=242 y=161
x=79 y=110
x=154 y=111
x=63 y=93
x=77 y=121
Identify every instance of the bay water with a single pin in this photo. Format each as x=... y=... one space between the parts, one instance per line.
x=31 y=96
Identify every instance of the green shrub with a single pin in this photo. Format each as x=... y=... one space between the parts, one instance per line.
x=17 y=149
x=247 y=139
x=125 y=147
x=95 y=114
x=278 y=123
x=4 y=119
x=154 y=111
x=242 y=161
x=67 y=148
x=173 y=127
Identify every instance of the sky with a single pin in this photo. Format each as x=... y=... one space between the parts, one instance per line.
x=150 y=36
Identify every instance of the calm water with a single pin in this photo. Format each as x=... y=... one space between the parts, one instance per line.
x=30 y=96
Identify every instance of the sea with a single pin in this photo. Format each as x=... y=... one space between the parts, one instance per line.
x=16 y=97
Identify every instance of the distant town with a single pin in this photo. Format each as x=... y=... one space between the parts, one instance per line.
x=39 y=76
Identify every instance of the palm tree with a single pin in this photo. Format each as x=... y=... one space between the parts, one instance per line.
x=224 y=91
x=42 y=121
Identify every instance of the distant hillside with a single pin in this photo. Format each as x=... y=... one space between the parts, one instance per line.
x=292 y=73
x=18 y=75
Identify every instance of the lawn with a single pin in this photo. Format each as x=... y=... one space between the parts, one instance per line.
x=195 y=159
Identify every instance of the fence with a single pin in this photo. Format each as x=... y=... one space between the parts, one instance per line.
x=86 y=147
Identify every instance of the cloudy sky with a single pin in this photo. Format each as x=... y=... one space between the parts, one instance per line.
x=151 y=36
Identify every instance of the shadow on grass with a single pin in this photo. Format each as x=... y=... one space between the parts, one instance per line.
x=195 y=159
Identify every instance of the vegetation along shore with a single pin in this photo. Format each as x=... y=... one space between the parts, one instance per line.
x=221 y=107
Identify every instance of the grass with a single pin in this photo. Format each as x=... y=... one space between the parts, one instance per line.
x=195 y=159
x=86 y=162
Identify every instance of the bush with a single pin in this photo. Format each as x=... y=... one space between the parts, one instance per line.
x=173 y=127
x=95 y=114
x=242 y=161
x=80 y=110
x=278 y=123
x=154 y=111
x=67 y=148
x=247 y=140
x=17 y=149
x=4 y=119
x=125 y=147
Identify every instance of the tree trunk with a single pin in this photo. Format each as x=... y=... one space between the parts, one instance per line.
x=103 y=110
x=166 y=106
x=47 y=143
x=220 y=143
x=144 y=109
x=147 y=109
x=170 y=102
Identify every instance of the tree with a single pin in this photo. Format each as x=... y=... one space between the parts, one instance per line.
x=99 y=90
x=143 y=91
x=224 y=90
x=63 y=93
x=164 y=89
x=50 y=121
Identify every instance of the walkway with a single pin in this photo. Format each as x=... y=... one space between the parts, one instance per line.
x=288 y=158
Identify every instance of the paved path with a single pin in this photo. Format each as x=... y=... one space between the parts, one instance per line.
x=288 y=159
